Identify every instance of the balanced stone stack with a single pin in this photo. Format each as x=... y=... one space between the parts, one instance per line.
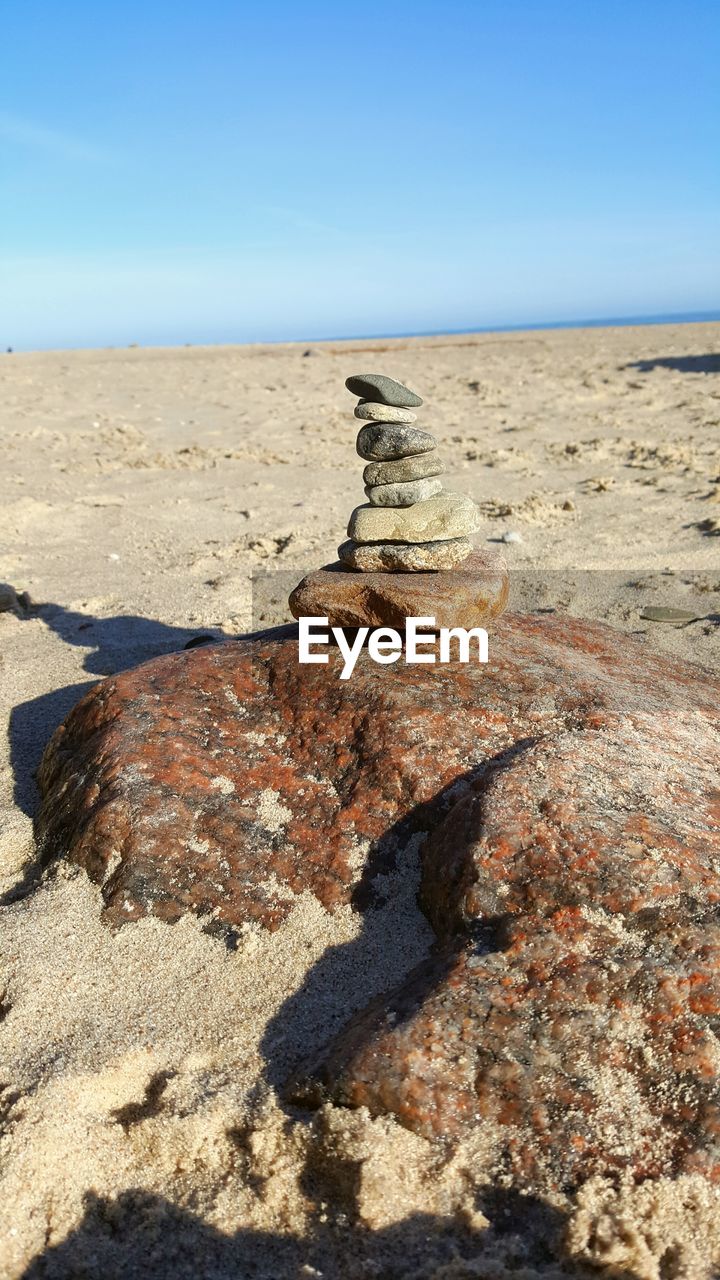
x=409 y=524
x=409 y=553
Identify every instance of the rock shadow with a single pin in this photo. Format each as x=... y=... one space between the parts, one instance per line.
x=708 y=363
x=328 y=1001
x=31 y=726
x=117 y=643
x=139 y=1234
x=330 y=994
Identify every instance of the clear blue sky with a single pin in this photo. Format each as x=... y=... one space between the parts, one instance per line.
x=233 y=171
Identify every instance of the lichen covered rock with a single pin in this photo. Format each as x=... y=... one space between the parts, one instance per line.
x=571 y=795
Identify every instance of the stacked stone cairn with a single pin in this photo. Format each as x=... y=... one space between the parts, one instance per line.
x=409 y=524
x=408 y=554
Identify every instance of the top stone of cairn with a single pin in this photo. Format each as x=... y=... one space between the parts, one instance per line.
x=383 y=390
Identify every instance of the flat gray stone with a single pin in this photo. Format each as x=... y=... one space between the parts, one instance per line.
x=376 y=386
x=402 y=495
x=663 y=613
x=415 y=468
x=371 y=411
x=386 y=441
x=404 y=557
x=447 y=515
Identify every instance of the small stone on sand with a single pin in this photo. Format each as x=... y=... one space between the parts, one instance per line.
x=11 y=602
x=663 y=613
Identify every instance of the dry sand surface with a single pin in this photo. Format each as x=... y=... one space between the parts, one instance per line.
x=141 y=1131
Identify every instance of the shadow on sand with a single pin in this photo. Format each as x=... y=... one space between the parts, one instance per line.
x=143 y=1235
x=709 y=363
x=116 y=644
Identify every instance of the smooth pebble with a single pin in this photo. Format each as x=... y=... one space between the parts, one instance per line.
x=663 y=613
x=377 y=386
x=447 y=515
x=402 y=495
x=416 y=468
x=371 y=411
x=405 y=557
x=384 y=442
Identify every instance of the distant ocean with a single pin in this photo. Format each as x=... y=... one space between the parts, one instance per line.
x=607 y=322
x=207 y=340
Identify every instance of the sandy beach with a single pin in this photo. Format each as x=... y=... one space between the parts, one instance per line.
x=151 y=496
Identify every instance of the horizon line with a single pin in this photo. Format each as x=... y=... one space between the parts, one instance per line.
x=606 y=322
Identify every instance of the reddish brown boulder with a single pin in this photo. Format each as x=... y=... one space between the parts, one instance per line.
x=469 y=595
x=572 y=873
x=572 y=1005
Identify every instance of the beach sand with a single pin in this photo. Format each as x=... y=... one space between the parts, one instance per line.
x=141 y=491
